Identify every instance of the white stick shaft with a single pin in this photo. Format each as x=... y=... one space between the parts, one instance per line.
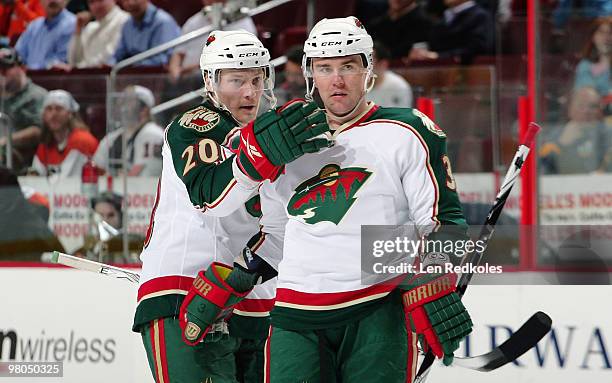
x=95 y=267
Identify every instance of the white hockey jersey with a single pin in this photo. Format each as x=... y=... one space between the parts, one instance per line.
x=388 y=167
x=143 y=151
x=184 y=239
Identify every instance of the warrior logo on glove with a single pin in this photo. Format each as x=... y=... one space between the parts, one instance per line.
x=436 y=313
x=192 y=331
x=209 y=300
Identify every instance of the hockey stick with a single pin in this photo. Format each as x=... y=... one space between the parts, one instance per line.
x=96 y=267
x=519 y=343
x=534 y=329
x=475 y=257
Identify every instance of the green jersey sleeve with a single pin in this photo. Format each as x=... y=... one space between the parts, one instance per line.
x=428 y=179
x=198 y=141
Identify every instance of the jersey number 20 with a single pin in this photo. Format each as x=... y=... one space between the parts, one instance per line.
x=208 y=153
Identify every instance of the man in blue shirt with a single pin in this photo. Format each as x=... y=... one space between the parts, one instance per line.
x=44 y=43
x=147 y=27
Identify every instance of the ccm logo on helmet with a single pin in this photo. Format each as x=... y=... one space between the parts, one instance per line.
x=250 y=54
x=330 y=43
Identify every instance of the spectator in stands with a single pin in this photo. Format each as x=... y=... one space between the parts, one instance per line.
x=184 y=66
x=147 y=27
x=594 y=68
x=108 y=205
x=97 y=34
x=293 y=85
x=144 y=137
x=589 y=9
x=390 y=89
x=22 y=101
x=108 y=243
x=16 y=15
x=404 y=24
x=186 y=58
x=580 y=145
x=66 y=142
x=466 y=31
x=499 y=9
x=44 y=44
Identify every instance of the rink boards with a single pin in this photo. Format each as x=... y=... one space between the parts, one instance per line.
x=84 y=320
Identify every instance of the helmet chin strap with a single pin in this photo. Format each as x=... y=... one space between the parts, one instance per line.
x=355 y=111
x=212 y=96
x=346 y=116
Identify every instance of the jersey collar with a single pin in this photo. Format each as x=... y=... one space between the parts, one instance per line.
x=371 y=108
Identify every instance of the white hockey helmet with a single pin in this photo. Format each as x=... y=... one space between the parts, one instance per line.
x=236 y=49
x=338 y=37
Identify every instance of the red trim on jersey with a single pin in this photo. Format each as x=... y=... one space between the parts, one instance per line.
x=243 y=170
x=362 y=119
x=149 y=233
x=222 y=196
x=255 y=305
x=230 y=136
x=170 y=282
x=329 y=299
x=162 y=351
x=434 y=216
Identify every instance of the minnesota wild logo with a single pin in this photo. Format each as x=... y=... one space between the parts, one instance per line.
x=329 y=195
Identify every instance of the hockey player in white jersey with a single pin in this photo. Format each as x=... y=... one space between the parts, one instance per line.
x=207 y=208
x=144 y=136
x=388 y=167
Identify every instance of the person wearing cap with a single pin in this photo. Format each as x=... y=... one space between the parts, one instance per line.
x=144 y=137
x=22 y=101
x=96 y=34
x=66 y=142
x=44 y=44
x=342 y=314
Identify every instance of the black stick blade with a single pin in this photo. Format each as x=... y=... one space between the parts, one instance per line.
x=527 y=336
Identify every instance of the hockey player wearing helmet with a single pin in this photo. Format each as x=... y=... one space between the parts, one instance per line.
x=207 y=208
x=388 y=167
